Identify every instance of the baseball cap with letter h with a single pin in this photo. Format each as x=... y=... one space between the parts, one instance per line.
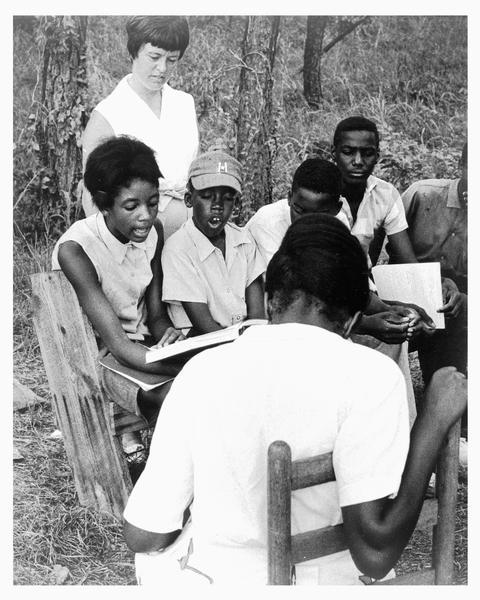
x=215 y=168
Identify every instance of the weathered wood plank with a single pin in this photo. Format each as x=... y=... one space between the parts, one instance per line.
x=317 y=543
x=69 y=354
x=312 y=471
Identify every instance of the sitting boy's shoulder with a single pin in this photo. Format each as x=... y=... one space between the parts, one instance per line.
x=380 y=184
x=238 y=234
x=177 y=241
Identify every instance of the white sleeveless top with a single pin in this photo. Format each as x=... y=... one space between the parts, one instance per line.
x=173 y=136
x=123 y=270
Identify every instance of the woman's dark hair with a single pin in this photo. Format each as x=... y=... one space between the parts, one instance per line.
x=318 y=175
x=320 y=257
x=115 y=164
x=169 y=33
x=356 y=123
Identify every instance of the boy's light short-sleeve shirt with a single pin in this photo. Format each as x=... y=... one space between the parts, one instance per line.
x=211 y=439
x=381 y=207
x=270 y=223
x=194 y=270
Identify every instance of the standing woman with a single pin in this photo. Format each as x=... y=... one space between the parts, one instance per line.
x=144 y=106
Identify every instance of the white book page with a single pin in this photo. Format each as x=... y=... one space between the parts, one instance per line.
x=228 y=334
x=419 y=283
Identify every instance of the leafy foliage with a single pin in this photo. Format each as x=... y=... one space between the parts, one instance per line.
x=406 y=73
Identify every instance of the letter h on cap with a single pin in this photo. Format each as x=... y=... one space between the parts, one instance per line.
x=222 y=167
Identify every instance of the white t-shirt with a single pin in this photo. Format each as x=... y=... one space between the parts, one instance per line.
x=229 y=403
x=194 y=270
x=271 y=221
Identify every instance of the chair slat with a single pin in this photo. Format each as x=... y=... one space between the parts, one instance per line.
x=312 y=471
x=317 y=543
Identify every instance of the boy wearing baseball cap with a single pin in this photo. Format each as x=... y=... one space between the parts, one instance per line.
x=212 y=269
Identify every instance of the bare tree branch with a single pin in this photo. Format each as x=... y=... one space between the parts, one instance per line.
x=344 y=33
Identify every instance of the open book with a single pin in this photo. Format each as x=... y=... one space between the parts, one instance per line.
x=419 y=283
x=146 y=381
x=201 y=342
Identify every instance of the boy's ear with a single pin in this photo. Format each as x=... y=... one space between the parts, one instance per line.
x=332 y=153
x=289 y=197
x=187 y=198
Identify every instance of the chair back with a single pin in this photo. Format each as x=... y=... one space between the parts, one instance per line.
x=285 y=550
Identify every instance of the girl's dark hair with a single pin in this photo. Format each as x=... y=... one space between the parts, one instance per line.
x=169 y=33
x=320 y=257
x=357 y=123
x=115 y=164
x=318 y=175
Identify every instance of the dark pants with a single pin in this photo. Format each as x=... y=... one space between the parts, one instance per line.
x=446 y=347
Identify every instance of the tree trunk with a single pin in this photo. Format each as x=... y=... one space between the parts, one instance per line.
x=256 y=143
x=312 y=60
x=60 y=118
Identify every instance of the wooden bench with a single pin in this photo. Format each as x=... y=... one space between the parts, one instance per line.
x=285 y=550
x=90 y=425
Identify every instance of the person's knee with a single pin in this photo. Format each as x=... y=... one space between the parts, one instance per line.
x=150 y=402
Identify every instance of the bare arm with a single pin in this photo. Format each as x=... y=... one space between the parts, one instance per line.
x=401 y=247
x=81 y=273
x=378 y=531
x=140 y=540
x=97 y=130
x=159 y=322
x=255 y=299
x=200 y=318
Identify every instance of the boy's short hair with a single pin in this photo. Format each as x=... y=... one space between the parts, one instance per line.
x=318 y=175
x=168 y=33
x=115 y=164
x=320 y=257
x=356 y=123
x=215 y=168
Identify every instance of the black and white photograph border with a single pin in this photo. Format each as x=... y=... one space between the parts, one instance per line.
x=49 y=529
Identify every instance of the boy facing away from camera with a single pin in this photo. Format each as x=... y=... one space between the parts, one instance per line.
x=212 y=268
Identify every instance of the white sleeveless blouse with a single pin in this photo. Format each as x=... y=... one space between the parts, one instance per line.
x=123 y=270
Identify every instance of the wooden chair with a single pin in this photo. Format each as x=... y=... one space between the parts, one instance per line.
x=286 y=550
x=90 y=425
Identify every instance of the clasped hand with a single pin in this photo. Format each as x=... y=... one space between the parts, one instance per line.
x=400 y=322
